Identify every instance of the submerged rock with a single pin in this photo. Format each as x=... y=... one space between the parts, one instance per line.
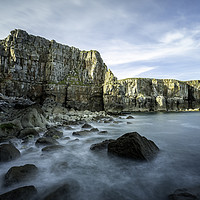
x=185 y=194
x=66 y=191
x=101 y=145
x=52 y=148
x=81 y=133
x=45 y=141
x=22 y=193
x=103 y=132
x=132 y=145
x=19 y=174
x=8 y=152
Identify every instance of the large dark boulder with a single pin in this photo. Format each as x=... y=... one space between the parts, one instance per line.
x=45 y=141
x=22 y=193
x=28 y=132
x=19 y=174
x=101 y=145
x=8 y=152
x=134 y=146
x=66 y=191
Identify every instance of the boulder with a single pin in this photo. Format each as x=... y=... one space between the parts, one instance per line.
x=103 y=132
x=27 y=132
x=45 y=141
x=10 y=128
x=86 y=126
x=101 y=145
x=52 y=132
x=81 y=133
x=52 y=148
x=8 y=152
x=22 y=193
x=134 y=146
x=19 y=174
x=130 y=117
x=65 y=191
x=94 y=130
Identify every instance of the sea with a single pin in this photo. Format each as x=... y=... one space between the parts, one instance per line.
x=104 y=177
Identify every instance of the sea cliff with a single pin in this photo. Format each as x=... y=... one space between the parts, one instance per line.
x=36 y=68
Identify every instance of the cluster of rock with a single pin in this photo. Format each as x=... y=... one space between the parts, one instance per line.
x=36 y=68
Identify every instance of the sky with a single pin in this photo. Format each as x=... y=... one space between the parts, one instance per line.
x=136 y=38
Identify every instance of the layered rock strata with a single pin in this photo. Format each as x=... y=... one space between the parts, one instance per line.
x=35 y=68
x=38 y=69
x=145 y=94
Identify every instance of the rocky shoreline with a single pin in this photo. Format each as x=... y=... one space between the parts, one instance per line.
x=25 y=121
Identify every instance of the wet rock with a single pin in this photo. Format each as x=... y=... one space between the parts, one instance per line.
x=75 y=140
x=45 y=141
x=8 y=152
x=94 y=130
x=22 y=193
x=19 y=174
x=101 y=145
x=66 y=138
x=103 y=132
x=68 y=128
x=86 y=126
x=10 y=128
x=130 y=117
x=129 y=123
x=27 y=132
x=52 y=132
x=81 y=133
x=132 y=145
x=185 y=194
x=52 y=148
x=66 y=191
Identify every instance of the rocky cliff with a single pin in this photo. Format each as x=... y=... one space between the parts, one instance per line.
x=36 y=68
x=145 y=94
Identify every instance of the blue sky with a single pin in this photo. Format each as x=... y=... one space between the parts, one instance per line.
x=136 y=38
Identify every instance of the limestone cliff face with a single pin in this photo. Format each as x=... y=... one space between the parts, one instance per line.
x=37 y=68
x=143 y=94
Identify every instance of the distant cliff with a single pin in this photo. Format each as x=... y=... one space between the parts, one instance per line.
x=36 y=68
x=145 y=94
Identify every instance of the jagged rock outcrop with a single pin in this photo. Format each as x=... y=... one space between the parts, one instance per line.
x=145 y=94
x=35 y=68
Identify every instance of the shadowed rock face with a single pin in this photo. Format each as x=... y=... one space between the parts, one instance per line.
x=34 y=67
x=134 y=146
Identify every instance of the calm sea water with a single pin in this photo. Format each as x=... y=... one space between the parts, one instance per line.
x=103 y=177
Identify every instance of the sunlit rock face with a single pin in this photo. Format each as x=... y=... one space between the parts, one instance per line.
x=35 y=68
x=144 y=94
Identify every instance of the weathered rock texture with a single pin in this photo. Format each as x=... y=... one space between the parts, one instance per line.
x=37 y=69
x=34 y=67
x=145 y=94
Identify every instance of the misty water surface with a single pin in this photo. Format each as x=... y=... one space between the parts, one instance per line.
x=103 y=177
